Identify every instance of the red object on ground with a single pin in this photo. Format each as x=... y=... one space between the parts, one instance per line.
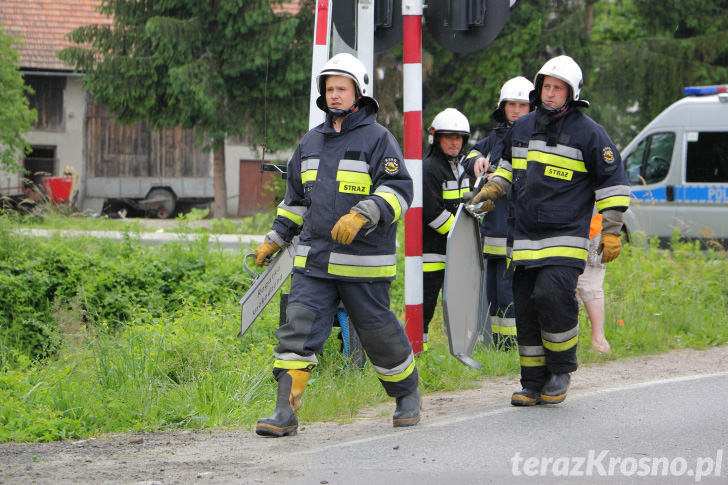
x=58 y=188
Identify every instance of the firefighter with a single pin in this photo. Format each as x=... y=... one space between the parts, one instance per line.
x=556 y=163
x=513 y=102
x=442 y=189
x=347 y=187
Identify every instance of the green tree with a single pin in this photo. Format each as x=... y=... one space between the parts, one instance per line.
x=636 y=57
x=648 y=51
x=222 y=67
x=16 y=118
x=536 y=31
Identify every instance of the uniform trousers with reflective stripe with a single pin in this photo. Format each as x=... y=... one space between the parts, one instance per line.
x=547 y=322
x=312 y=305
x=499 y=290
x=431 y=285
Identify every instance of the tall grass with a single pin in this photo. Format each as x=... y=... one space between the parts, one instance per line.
x=140 y=338
x=664 y=299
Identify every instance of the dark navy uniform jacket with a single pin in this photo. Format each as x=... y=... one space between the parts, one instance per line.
x=494 y=227
x=327 y=175
x=559 y=166
x=442 y=191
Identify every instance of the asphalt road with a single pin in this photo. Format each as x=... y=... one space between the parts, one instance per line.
x=668 y=431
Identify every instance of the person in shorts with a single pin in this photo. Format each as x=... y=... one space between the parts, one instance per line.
x=590 y=288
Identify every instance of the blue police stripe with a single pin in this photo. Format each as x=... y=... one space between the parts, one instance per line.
x=656 y=195
x=715 y=194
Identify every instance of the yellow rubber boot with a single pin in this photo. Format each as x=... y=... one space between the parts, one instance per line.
x=284 y=421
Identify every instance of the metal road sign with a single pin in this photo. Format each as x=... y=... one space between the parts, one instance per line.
x=265 y=286
x=464 y=286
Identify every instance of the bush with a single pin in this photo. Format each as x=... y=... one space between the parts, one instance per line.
x=109 y=283
x=101 y=336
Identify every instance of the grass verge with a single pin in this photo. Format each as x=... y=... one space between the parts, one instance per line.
x=99 y=337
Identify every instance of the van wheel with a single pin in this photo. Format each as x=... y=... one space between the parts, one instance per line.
x=161 y=203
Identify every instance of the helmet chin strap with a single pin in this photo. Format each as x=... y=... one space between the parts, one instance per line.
x=551 y=109
x=546 y=107
x=338 y=113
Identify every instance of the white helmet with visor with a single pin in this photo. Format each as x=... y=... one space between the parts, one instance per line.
x=565 y=69
x=516 y=89
x=346 y=65
x=450 y=120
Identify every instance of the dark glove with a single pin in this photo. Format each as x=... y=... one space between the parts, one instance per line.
x=491 y=191
x=264 y=250
x=609 y=247
x=346 y=228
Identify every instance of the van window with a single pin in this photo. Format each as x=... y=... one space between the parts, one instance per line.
x=649 y=163
x=633 y=164
x=707 y=158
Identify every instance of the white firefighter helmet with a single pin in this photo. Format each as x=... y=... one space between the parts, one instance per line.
x=515 y=89
x=347 y=65
x=566 y=69
x=450 y=120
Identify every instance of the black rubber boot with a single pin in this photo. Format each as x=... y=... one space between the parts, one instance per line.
x=554 y=391
x=407 y=412
x=284 y=421
x=526 y=397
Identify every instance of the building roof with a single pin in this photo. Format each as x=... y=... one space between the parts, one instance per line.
x=286 y=8
x=42 y=25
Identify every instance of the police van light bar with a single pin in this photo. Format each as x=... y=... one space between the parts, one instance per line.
x=703 y=90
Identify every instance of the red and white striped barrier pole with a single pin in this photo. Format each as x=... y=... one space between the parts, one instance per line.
x=412 y=80
x=321 y=36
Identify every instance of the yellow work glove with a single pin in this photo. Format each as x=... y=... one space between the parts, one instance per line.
x=346 y=228
x=487 y=206
x=264 y=250
x=610 y=247
x=491 y=191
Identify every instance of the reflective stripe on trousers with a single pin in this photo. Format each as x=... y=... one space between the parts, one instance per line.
x=312 y=305
x=547 y=317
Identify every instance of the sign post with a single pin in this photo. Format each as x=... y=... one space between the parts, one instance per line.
x=321 y=36
x=365 y=37
x=412 y=81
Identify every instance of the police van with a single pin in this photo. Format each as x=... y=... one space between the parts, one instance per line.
x=678 y=169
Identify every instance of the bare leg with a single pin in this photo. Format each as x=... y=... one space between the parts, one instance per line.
x=595 y=310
